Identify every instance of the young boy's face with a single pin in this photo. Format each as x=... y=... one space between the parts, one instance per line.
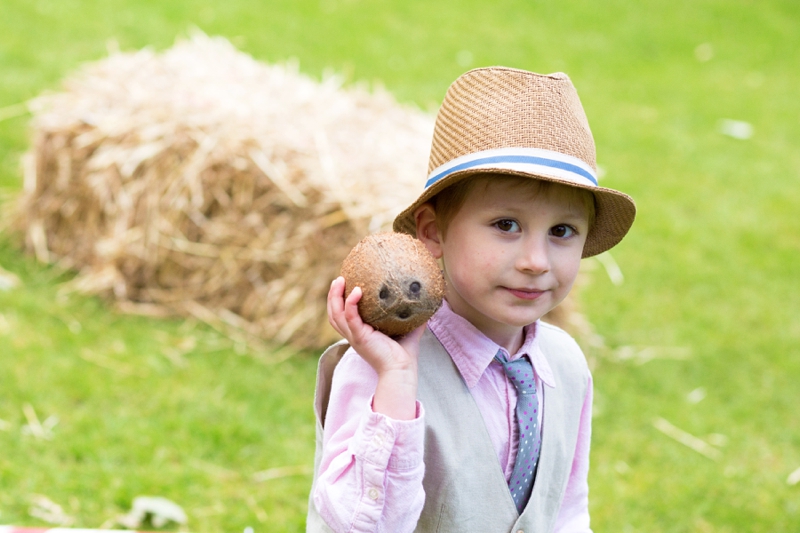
x=512 y=253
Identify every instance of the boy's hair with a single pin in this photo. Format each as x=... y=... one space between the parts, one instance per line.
x=448 y=203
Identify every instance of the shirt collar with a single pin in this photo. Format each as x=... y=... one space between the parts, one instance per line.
x=472 y=351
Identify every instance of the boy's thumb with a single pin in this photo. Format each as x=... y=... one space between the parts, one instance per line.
x=410 y=341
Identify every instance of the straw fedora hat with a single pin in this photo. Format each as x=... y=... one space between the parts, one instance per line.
x=513 y=122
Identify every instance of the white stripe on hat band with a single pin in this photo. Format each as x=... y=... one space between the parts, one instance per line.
x=529 y=160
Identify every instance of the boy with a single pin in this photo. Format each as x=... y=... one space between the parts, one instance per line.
x=482 y=421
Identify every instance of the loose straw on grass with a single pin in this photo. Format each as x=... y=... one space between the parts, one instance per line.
x=687 y=439
x=281 y=471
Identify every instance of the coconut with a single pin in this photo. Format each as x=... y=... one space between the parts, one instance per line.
x=401 y=282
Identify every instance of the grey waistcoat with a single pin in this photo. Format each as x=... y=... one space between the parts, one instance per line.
x=465 y=488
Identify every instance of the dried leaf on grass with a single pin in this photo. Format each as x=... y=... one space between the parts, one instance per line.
x=687 y=439
x=738 y=129
x=642 y=355
x=48 y=511
x=159 y=511
x=214 y=470
x=697 y=395
x=109 y=363
x=39 y=430
x=8 y=280
x=5 y=325
x=282 y=471
x=611 y=267
x=261 y=514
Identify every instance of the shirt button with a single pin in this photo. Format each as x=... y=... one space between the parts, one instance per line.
x=373 y=494
x=520 y=531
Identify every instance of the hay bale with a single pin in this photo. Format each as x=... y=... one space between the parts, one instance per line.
x=200 y=182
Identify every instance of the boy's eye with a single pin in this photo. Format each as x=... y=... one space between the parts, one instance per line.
x=507 y=225
x=562 y=230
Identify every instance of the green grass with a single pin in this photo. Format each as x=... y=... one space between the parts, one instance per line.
x=711 y=266
x=144 y=407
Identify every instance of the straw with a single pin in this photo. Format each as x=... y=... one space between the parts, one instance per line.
x=200 y=182
x=687 y=439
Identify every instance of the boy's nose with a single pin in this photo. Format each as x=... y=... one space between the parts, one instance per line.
x=534 y=256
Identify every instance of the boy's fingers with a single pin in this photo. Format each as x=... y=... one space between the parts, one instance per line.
x=356 y=325
x=334 y=300
x=343 y=315
x=337 y=288
x=329 y=302
x=355 y=295
x=351 y=306
x=336 y=306
x=336 y=321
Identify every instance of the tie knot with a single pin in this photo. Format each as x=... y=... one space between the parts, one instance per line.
x=519 y=372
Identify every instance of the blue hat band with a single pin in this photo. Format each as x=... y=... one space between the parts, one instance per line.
x=528 y=160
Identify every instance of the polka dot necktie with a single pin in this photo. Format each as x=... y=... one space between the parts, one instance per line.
x=520 y=373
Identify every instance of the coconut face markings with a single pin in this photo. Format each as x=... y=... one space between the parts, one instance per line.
x=398 y=299
x=401 y=282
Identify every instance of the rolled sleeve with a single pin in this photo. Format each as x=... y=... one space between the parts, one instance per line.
x=372 y=466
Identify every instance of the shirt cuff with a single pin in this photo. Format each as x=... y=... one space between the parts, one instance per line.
x=390 y=444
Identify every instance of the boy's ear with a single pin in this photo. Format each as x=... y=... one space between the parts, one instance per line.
x=427 y=229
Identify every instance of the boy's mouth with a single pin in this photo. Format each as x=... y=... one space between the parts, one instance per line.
x=526 y=294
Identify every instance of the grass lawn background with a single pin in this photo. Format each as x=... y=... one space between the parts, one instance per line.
x=711 y=266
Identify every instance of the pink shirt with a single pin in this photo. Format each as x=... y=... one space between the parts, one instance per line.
x=370 y=476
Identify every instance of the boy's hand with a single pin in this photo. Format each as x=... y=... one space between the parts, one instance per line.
x=395 y=362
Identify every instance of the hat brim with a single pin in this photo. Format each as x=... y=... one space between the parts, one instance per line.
x=614 y=210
